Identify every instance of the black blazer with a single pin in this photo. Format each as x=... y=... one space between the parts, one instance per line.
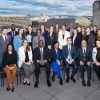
x=73 y=52
x=77 y=41
x=37 y=55
x=51 y=41
x=53 y=55
x=88 y=54
x=10 y=33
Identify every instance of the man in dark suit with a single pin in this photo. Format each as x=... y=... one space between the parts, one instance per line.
x=69 y=54
x=71 y=29
x=4 y=40
x=41 y=59
x=84 y=55
x=13 y=32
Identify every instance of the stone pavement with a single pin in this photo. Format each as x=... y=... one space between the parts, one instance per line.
x=69 y=91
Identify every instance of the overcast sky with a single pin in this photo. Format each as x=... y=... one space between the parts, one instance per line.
x=50 y=7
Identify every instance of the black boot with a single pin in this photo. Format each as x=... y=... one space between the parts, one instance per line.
x=61 y=81
x=53 y=76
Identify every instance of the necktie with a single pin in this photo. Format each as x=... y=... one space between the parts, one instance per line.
x=5 y=39
x=13 y=34
x=69 y=53
x=84 y=52
x=38 y=39
x=41 y=54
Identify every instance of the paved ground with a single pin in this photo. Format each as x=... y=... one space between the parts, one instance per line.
x=69 y=91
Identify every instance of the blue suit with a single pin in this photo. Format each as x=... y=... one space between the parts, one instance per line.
x=73 y=56
x=53 y=57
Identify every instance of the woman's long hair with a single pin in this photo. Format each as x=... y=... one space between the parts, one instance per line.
x=23 y=37
x=53 y=33
x=27 y=32
x=28 y=47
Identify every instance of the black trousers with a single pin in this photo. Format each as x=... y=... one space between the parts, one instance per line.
x=37 y=70
x=97 y=70
x=88 y=68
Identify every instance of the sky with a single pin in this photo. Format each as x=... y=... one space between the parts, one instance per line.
x=50 y=7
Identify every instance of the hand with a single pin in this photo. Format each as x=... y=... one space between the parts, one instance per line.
x=28 y=63
x=58 y=62
x=81 y=63
x=97 y=63
x=69 y=61
x=49 y=47
x=88 y=63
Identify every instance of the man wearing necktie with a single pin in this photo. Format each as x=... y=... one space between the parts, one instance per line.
x=69 y=54
x=41 y=59
x=4 y=40
x=13 y=32
x=84 y=55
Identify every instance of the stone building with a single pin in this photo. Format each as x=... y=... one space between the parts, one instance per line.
x=96 y=13
x=20 y=20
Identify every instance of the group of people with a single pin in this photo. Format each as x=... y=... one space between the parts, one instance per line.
x=70 y=47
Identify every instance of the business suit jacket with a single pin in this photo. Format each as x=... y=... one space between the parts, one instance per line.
x=0 y=57
x=91 y=41
x=37 y=55
x=94 y=53
x=53 y=55
x=3 y=45
x=21 y=55
x=88 y=54
x=35 y=41
x=77 y=41
x=51 y=41
x=61 y=40
x=10 y=33
x=65 y=52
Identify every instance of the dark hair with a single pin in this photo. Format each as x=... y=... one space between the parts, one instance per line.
x=43 y=25
x=8 y=46
x=56 y=31
x=64 y=25
x=4 y=27
x=69 y=38
x=38 y=30
x=27 y=48
x=32 y=32
x=23 y=37
x=55 y=42
x=41 y=41
x=12 y=25
x=95 y=26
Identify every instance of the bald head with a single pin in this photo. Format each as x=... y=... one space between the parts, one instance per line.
x=83 y=43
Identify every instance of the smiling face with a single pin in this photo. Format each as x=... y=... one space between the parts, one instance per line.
x=10 y=48
x=4 y=31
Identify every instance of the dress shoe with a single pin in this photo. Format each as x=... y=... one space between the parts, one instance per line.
x=12 y=89
x=48 y=83
x=8 y=88
x=88 y=83
x=83 y=83
x=36 y=84
x=67 y=80
x=24 y=83
x=61 y=81
x=72 y=78
x=28 y=84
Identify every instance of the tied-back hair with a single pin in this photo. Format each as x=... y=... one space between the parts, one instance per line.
x=28 y=47
x=23 y=37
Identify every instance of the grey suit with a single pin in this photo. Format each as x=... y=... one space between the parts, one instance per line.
x=3 y=45
x=35 y=41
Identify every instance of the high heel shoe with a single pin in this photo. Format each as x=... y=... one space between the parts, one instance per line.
x=8 y=88
x=12 y=89
x=24 y=83
x=28 y=84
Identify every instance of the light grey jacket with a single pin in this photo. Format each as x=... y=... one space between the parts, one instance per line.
x=35 y=41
